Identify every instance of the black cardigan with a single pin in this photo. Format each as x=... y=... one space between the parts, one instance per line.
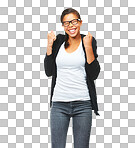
x=92 y=69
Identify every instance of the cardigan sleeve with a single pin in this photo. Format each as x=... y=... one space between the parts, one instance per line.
x=49 y=61
x=48 y=64
x=93 y=68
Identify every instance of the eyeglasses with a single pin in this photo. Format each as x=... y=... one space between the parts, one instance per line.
x=74 y=22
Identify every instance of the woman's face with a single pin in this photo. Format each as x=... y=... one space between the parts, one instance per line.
x=72 y=30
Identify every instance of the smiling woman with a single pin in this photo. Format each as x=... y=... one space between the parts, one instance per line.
x=71 y=60
x=71 y=21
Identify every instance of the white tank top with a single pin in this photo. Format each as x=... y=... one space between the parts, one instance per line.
x=71 y=76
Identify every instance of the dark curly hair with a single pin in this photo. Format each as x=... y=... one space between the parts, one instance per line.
x=68 y=11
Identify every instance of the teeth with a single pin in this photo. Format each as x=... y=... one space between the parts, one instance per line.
x=72 y=30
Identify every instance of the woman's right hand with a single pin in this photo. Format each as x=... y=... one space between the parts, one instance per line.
x=51 y=38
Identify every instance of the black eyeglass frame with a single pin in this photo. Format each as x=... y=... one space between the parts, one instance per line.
x=70 y=22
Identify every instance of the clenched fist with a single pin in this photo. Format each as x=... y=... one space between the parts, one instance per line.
x=87 y=40
x=51 y=38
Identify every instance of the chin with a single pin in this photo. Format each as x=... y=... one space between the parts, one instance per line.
x=73 y=36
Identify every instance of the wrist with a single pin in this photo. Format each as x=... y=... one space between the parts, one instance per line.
x=49 y=44
x=49 y=50
x=88 y=47
x=49 y=47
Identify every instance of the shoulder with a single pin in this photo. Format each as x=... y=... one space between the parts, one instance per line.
x=93 y=38
x=83 y=35
x=60 y=36
x=59 y=39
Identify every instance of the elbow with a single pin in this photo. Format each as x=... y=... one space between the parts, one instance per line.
x=48 y=74
x=95 y=76
x=47 y=70
x=93 y=69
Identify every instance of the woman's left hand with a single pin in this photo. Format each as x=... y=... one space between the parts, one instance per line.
x=87 y=40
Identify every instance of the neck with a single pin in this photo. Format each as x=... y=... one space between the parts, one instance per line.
x=75 y=39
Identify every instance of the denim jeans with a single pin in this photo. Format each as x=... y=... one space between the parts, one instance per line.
x=81 y=113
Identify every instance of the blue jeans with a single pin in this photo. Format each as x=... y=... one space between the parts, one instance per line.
x=81 y=113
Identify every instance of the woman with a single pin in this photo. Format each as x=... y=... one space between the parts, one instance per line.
x=72 y=59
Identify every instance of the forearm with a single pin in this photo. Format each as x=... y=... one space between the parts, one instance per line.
x=93 y=69
x=49 y=50
x=48 y=61
x=92 y=65
x=89 y=54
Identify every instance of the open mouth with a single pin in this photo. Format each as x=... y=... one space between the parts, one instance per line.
x=72 y=31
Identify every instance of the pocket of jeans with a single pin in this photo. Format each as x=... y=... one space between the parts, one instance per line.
x=88 y=102
x=54 y=104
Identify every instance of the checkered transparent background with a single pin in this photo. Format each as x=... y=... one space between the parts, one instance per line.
x=25 y=89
